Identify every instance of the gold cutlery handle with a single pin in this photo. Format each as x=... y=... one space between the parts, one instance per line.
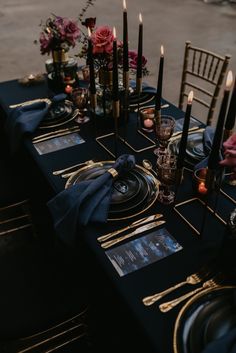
x=164 y=307
x=61 y=171
x=112 y=234
x=55 y=135
x=112 y=242
x=151 y=299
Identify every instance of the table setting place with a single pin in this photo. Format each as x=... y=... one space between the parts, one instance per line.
x=143 y=154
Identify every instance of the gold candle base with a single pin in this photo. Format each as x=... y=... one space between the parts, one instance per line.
x=126 y=80
x=138 y=85
x=116 y=109
x=93 y=101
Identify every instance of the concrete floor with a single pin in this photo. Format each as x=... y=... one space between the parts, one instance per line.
x=167 y=22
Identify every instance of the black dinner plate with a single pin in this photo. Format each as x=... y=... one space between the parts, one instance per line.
x=206 y=317
x=194 y=149
x=132 y=193
x=59 y=114
x=142 y=99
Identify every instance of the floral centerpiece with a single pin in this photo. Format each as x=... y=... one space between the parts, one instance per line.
x=58 y=33
x=102 y=40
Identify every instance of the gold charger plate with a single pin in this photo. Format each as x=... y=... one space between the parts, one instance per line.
x=130 y=206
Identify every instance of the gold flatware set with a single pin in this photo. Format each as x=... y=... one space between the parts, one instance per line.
x=53 y=134
x=193 y=279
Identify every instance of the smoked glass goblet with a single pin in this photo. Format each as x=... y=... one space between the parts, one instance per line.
x=164 y=128
x=80 y=100
x=166 y=173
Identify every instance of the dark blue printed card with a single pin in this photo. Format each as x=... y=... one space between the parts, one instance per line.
x=143 y=251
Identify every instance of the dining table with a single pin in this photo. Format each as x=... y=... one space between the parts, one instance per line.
x=120 y=317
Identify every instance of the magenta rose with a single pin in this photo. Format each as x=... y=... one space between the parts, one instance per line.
x=133 y=58
x=67 y=30
x=45 y=43
x=102 y=40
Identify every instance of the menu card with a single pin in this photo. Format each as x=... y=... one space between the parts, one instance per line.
x=58 y=143
x=143 y=251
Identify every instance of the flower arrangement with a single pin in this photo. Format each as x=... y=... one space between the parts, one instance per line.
x=58 y=33
x=102 y=40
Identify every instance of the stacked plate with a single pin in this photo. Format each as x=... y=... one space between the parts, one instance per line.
x=141 y=100
x=205 y=318
x=60 y=113
x=133 y=193
x=195 y=151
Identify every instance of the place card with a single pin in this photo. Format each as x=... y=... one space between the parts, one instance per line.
x=143 y=251
x=58 y=143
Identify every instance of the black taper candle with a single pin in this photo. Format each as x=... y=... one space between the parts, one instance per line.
x=213 y=160
x=231 y=115
x=115 y=90
x=92 y=85
x=184 y=137
x=159 y=81
x=140 y=48
x=125 y=40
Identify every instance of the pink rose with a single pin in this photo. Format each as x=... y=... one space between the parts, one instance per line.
x=102 y=40
x=133 y=58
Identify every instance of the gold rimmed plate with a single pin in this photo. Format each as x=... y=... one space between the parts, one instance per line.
x=141 y=100
x=59 y=114
x=132 y=194
x=206 y=317
x=194 y=150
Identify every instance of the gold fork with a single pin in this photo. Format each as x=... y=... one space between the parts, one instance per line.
x=195 y=278
x=211 y=283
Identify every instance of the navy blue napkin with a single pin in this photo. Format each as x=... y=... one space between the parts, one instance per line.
x=87 y=201
x=208 y=136
x=225 y=344
x=25 y=119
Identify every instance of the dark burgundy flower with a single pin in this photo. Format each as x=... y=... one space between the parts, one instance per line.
x=89 y=22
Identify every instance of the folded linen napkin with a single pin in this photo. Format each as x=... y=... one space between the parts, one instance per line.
x=25 y=119
x=87 y=201
x=208 y=135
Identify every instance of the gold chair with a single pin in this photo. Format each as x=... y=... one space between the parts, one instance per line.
x=203 y=72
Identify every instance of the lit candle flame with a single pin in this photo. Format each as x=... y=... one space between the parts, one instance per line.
x=229 y=80
x=190 y=97
x=140 y=18
x=124 y=5
x=162 y=50
x=202 y=188
x=89 y=32
x=114 y=32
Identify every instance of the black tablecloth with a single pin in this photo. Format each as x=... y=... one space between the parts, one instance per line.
x=156 y=326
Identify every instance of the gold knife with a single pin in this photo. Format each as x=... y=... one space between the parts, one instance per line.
x=139 y=230
x=132 y=225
